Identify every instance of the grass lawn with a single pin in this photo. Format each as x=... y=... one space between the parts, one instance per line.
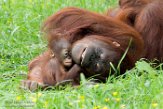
x=21 y=41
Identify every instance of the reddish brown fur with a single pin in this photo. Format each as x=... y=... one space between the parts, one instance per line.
x=78 y=23
x=81 y=23
x=129 y=9
x=38 y=66
x=146 y=17
x=46 y=70
x=133 y=3
x=149 y=23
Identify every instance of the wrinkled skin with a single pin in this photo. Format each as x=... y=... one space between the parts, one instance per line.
x=95 y=56
x=98 y=40
x=61 y=48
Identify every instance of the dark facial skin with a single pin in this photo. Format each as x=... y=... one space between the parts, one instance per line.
x=94 y=55
x=62 y=50
x=66 y=57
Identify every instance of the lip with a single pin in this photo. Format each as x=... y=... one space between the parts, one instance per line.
x=68 y=62
x=83 y=55
x=78 y=54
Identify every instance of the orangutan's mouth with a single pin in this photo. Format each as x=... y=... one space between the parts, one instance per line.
x=83 y=55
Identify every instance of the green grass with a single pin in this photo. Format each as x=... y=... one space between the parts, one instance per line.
x=21 y=41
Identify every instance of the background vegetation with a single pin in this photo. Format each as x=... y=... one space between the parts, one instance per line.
x=21 y=41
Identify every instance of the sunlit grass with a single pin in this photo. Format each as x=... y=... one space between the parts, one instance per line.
x=21 y=40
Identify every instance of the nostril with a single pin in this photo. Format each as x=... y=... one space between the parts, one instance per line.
x=69 y=57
